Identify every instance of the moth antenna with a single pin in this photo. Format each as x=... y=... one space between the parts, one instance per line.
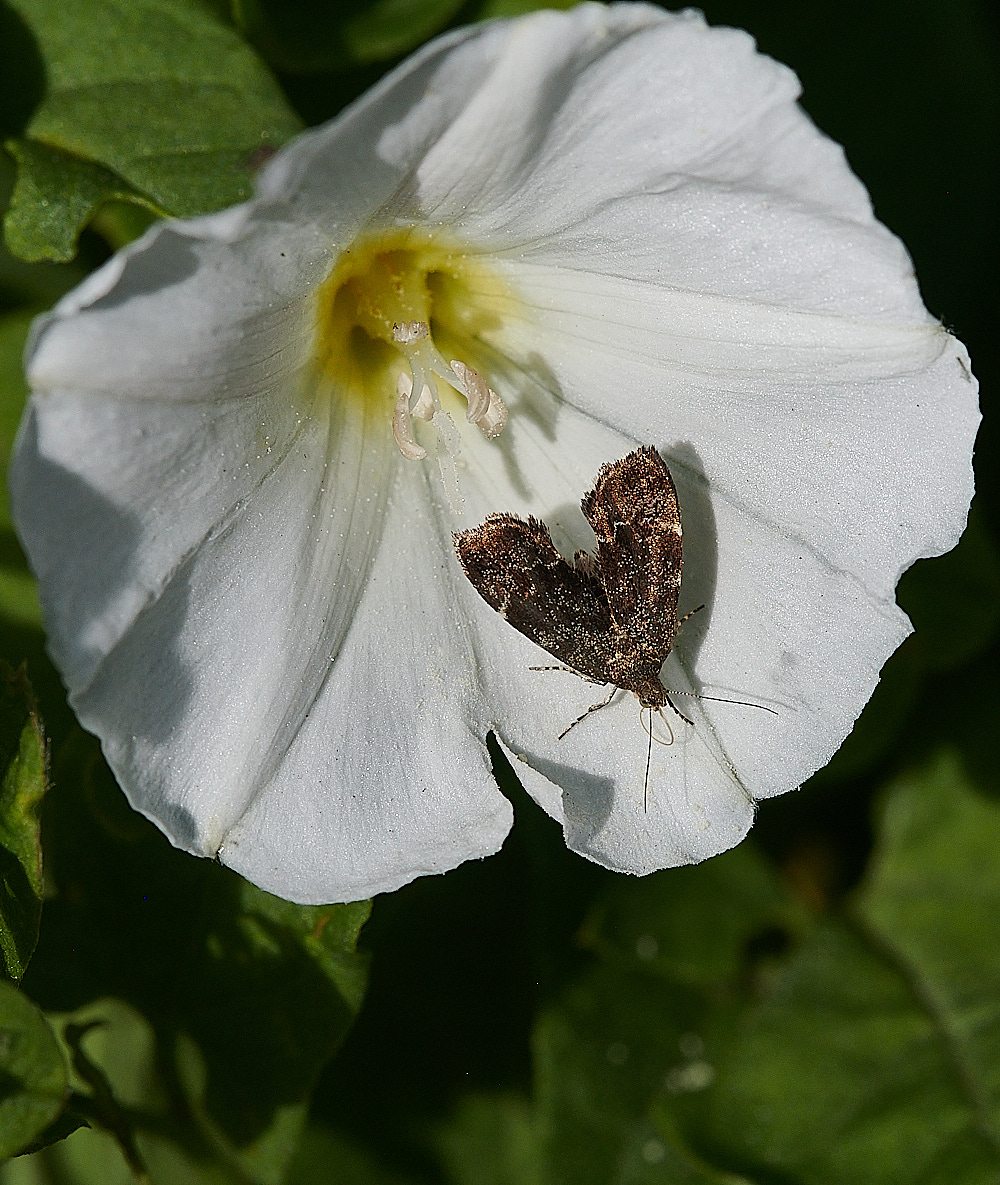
x=593 y=708
x=649 y=756
x=716 y=700
x=676 y=709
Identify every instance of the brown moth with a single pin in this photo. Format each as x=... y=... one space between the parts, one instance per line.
x=611 y=617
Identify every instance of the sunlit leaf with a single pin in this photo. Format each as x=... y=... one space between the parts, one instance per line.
x=132 y=1136
x=193 y=108
x=55 y=196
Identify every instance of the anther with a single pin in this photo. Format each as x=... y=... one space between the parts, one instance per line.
x=486 y=409
x=494 y=419
x=476 y=390
x=402 y=428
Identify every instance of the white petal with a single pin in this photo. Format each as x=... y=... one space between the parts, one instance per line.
x=388 y=777
x=254 y=600
x=112 y=497
x=825 y=427
x=267 y=699
x=217 y=308
x=582 y=108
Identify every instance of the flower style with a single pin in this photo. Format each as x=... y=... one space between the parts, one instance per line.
x=536 y=245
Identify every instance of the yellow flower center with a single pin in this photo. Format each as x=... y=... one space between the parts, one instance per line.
x=404 y=323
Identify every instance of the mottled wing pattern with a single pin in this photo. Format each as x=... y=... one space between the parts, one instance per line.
x=515 y=568
x=634 y=512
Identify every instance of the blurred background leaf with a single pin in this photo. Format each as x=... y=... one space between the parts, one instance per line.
x=728 y=1036
x=24 y=774
x=33 y=1081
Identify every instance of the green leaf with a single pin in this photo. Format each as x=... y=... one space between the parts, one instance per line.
x=495 y=8
x=837 y=1075
x=194 y=108
x=391 y=28
x=492 y=1140
x=872 y=1053
x=932 y=898
x=24 y=285
x=642 y=1027
x=18 y=593
x=14 y=329
x=661 y=924
x=609 y=1056
x=23 y=759
x=63 y=1126
x=728 y=1036
x=245 y=996
x=54 y=198
x=33 y=1080
x=296 y=965
x=312 y=36
x=306 y=36
x=133 y=1134
x=326 y=1156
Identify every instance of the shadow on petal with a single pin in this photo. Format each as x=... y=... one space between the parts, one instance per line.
x=168 y=260
x=57 y=527
x=532 y=392
x=120 y=702
x=587 y=799
x=701 y=545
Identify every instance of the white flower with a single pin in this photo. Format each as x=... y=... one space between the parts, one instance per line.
x=241 y=516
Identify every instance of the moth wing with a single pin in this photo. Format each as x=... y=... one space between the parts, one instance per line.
x=634 y=511
x=514 y=566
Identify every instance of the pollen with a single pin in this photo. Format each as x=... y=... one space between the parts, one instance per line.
x=405 y=322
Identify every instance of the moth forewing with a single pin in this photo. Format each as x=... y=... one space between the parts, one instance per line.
x=612 y=617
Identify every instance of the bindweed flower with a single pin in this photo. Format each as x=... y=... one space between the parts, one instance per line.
x=536 y=245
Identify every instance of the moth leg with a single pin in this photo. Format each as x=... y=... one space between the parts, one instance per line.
x=681 y=620
x=569 y=671
x=593 y=708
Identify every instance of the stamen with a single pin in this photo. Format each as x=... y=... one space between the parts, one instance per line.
x=476 y=390
x=486 y=409
x=494 y=419
x=424 y=408
x=402 y=428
